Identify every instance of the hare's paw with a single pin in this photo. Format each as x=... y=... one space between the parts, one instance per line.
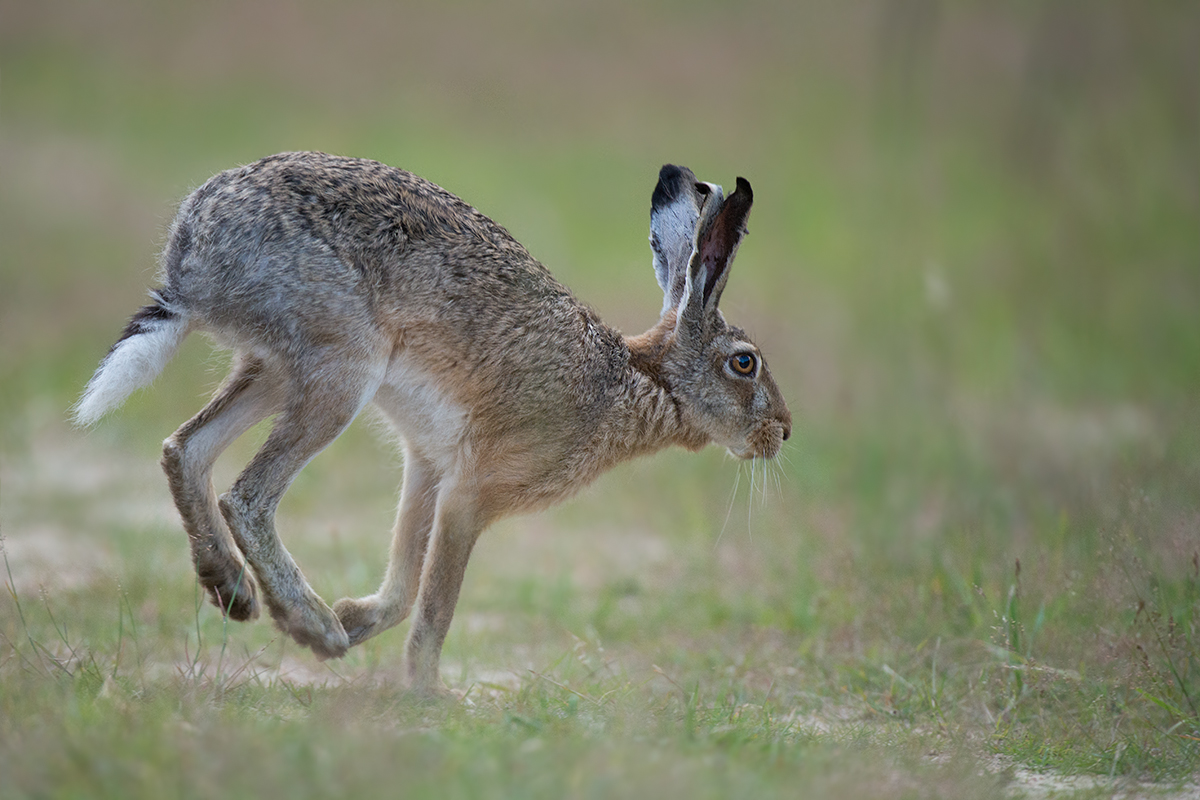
x=360 y=618
x=312 y=624
x=433 y=691
x=235 y=596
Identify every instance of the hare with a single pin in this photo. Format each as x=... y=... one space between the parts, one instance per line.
x=339 y=282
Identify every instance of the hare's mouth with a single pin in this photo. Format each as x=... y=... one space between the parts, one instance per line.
x=764 y=441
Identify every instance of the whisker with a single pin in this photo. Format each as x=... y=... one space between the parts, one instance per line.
x=762 y=483
x=750 y=501
x=764 y=486
x=737 y=480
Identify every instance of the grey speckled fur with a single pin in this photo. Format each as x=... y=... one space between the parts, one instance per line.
x=339 y=282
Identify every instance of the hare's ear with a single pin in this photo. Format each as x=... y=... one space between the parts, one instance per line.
x=721 y=228
x=674 y=213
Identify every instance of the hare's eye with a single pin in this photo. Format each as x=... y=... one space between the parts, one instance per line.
x=743 y=363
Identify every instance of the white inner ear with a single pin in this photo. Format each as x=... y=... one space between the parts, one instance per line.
x=674 y=226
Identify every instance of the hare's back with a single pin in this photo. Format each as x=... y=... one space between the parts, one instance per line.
x=319 y=234
x=361 y=210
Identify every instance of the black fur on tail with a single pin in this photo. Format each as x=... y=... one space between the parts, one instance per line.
x=146 y=317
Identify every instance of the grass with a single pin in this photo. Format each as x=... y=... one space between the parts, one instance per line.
x=972 y=268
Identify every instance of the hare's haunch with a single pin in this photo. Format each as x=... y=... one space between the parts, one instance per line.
x=339 y=282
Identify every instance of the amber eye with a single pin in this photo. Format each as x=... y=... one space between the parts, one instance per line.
x=743 y=363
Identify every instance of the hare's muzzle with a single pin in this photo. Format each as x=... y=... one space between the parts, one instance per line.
x=765 y=441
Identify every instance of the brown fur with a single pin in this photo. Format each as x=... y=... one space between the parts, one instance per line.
x=340 y=282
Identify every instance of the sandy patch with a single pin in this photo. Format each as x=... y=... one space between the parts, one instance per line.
x=45 y=559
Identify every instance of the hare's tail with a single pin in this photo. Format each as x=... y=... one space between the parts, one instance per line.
x=148 y=342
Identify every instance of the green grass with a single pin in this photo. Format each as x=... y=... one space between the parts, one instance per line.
x=973 y=269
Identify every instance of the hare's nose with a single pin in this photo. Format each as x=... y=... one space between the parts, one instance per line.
x=787 y=430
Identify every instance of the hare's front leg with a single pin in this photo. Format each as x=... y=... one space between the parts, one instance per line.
x=367 y=616
x=456 y=527
x=315 y=416
x=249 y=395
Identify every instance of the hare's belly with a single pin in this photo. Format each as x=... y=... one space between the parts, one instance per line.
x=424 y=414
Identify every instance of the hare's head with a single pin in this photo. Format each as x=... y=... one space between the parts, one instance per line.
x=714 y=371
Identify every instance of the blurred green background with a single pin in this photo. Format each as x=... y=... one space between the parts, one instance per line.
x=974 y=266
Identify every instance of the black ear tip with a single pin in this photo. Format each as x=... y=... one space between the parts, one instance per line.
x=743 y=185
x=672 y=180
x=670 y=172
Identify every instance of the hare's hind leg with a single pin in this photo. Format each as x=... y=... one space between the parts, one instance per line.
x=248 y=395
x=457 y=525
x=316 y=413
x=367 y=616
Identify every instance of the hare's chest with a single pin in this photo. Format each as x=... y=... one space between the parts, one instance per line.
x=425 y=415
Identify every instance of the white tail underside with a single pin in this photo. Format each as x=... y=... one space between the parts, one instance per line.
x=133 y=363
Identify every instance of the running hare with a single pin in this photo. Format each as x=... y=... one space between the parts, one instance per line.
x=339 y=282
